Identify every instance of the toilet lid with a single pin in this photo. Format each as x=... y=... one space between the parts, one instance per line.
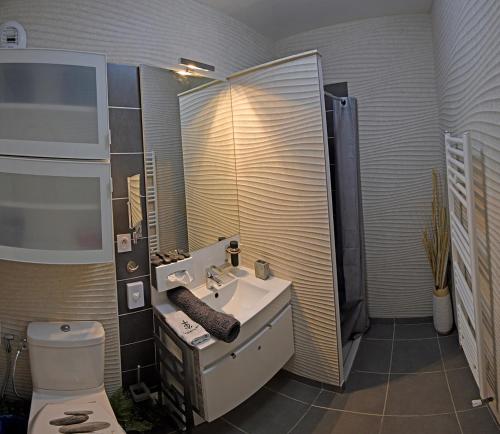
x=40 y=424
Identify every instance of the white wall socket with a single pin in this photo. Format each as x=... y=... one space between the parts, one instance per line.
x=135 y=295
x=123 y=243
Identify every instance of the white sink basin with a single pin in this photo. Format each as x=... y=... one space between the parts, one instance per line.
x=244 y=296
x=239 y=298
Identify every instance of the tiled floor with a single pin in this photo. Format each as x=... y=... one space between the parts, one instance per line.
x=405 y=380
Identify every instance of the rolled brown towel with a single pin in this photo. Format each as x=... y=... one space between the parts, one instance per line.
x=220 y=325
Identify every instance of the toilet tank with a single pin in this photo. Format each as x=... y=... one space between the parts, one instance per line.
x=66 y=356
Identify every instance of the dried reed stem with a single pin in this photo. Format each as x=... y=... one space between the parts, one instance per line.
x=436 y=237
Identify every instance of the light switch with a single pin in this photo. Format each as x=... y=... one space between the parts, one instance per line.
x=123 y=243
x=135 y=295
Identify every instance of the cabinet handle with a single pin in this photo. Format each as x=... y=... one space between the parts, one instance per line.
x=132 y=266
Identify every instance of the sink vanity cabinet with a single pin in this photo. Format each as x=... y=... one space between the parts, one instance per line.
x=223 y=375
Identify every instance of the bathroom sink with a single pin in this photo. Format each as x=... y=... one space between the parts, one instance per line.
x=245 y=296
x=252 y=301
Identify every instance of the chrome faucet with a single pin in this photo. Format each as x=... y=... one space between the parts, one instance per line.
x=212 y=277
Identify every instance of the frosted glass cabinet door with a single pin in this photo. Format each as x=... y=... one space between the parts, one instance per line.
x=55 y=212
x=53 y=103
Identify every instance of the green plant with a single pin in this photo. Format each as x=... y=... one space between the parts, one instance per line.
x=436 y=237
x=127 y=413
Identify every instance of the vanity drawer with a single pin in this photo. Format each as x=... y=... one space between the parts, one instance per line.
x=237 y=376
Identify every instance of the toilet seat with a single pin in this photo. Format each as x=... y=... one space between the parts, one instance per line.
x=49 y=409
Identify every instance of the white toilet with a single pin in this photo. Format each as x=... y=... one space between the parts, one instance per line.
x=67 y=369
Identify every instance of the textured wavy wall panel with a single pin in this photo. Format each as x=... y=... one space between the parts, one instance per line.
x=209 y=165
x=467 y=56
x=32 y=292
x=388 y=63
x=283 y=200
x=162 y=134
x=153 y=32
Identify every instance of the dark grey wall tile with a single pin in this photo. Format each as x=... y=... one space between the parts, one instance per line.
x=122 y=294
x=123 y=86
x=136 y=326
x=126 y=130
x=123 y=166
x=120 y=217
x=148 y=375
x=141 y=353
x=139 y=254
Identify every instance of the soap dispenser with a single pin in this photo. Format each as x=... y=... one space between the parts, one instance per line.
x=234 y=252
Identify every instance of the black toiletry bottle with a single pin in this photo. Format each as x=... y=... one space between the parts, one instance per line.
x=234 y=251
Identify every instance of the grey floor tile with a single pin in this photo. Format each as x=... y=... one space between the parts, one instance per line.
x=364 y=393
x=463 y=388
x=320 y=421
x=218 y=426
x=441 y=424
x=416 y=356
x=414 y=331
x=379 y=331
x=381 y=320
x=417 y=394
x=283 y=383
x=478 y=421
x=267 y=412
x=418 y=320
x=373 y=356
x=453 y=356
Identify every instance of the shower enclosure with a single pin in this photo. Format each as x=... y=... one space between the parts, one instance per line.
x=343 y=146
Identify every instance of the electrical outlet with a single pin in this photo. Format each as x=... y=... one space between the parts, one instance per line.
x=123 y=243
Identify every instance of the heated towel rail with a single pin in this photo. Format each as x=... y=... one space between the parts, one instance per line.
x=464 y=249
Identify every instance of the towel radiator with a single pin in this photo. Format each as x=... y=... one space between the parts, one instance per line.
x=152 y=202
x=464 y=249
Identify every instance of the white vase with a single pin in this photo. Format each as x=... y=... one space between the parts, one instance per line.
x=442 y=311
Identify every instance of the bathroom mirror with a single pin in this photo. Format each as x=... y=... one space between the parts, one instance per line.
x=191 y=136
x=134 y=202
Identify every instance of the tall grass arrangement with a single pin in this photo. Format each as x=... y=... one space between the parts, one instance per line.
x=436 y=236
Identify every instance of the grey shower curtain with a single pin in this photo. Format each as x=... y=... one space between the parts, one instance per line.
x=348 y=218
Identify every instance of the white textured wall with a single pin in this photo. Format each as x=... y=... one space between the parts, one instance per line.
x=284 y=200
x=467 y=56
x=388 y=64
x=33 y=292
x=154 y=32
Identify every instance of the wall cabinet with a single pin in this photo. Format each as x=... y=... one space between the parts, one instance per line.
x=55 y=211
x=53 y=103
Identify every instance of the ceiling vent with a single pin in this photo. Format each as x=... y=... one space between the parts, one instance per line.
x=12 y=35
